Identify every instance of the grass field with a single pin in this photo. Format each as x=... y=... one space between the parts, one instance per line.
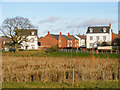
x=83 y=84
x=38 y=69
x=58 y=54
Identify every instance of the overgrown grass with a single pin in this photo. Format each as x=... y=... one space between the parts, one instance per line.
x=59 y=54
x=37 y=69
x=83 y=84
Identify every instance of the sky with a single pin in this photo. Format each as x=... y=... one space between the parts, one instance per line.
x=56 y=17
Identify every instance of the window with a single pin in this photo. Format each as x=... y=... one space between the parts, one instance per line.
x=32 y=33
x=97 y=37
x=60 y=40
x=33 y=47
x=104 y=29
x=104 y=37
x=91 y=37
x=70 y=44
x=91 y=30
x=59 y=45
x=91 y=45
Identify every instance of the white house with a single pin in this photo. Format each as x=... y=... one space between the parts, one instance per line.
x=31 y=40
x=97 y=35
x=81 y=40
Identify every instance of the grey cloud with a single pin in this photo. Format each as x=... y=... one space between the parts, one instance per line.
x=91 y=22
x=49 y=20
x=97 y=22
x=74 y=25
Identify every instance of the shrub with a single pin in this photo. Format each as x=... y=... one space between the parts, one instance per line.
x=50 y=50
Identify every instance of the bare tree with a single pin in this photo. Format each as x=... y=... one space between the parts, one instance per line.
x=13 y=27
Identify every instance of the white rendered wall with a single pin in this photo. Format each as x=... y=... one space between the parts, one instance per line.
x=108 y=38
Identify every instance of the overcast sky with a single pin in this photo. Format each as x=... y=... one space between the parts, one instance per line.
x=73 y=17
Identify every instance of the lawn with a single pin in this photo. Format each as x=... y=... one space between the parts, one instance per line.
x=83 y=84
x=59 y=54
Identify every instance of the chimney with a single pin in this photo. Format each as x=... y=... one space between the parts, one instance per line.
x=68 y=34
x=83 y=34
x=48 y=32
x=119 y=33
x=60 y=33
x=110 y=25
x=111 y=30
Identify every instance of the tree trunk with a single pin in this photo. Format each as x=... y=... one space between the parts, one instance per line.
x=16 y=47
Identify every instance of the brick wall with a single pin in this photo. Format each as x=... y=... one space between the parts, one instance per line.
x=62 y=41
x=49 y=40
x=114 y=35
x=74 y=41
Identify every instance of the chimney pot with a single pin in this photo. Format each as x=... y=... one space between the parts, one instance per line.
x=119 y=32
x=68 y=34
x=110 y=25
x=48 y=32
x=60 y=33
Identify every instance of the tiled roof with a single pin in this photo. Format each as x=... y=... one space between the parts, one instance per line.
x=55 y=36
x=99 y=29
x=73 y=37
x=83 y=36
x=80 y=37
x=27 y=32
x=66 y=37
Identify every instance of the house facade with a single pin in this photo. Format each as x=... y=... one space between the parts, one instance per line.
x=31 y=40
x=5 y=43
x=75 y=41
x=81 y=40
x=50 y=40
x=97 y=35
x=64 y=41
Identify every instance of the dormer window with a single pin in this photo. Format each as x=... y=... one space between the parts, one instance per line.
x=104 y=29
x=32 y=33
x=91 y=30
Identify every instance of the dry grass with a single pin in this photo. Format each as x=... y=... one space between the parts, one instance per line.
x=58 y=69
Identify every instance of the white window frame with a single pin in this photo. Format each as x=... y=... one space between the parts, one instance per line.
x=104 y=37
x=97 y=37
x=32 y=33
x=91 y=37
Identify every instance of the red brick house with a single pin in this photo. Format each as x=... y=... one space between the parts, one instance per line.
x=114 y=35
x=75 y=41
x=4 y=43
x=50 y=40
x=64 y=41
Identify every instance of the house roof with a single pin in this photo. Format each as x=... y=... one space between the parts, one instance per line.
x=80 y=36
x=73 y=37
x=27 y=32
x=98 y=29
x=66 y=37
x=83 y=36
x=55 y=36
